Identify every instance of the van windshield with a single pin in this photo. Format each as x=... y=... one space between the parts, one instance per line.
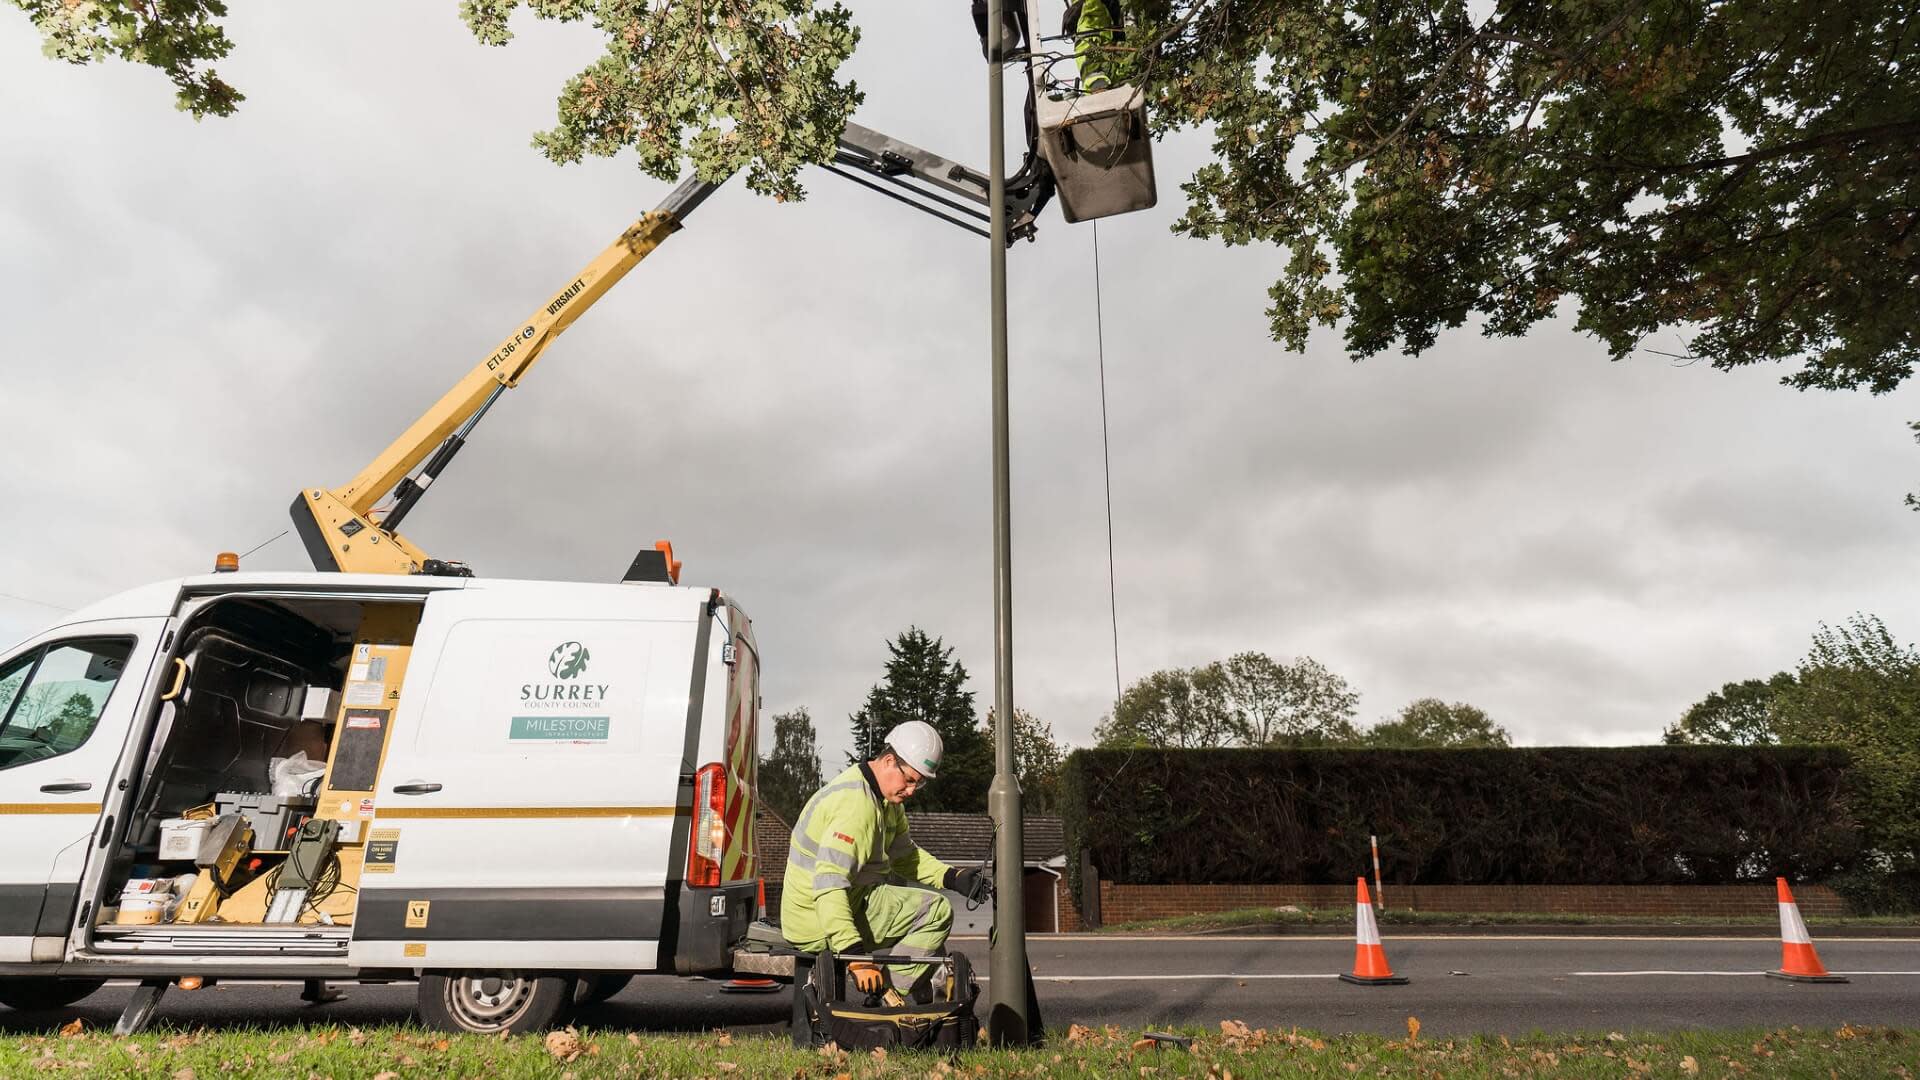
x=53 y=697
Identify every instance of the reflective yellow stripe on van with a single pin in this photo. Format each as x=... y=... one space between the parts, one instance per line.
x=418 y=812
x=49 y=808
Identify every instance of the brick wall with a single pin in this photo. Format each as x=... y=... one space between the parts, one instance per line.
x=1069 y=911
x=1131 y=903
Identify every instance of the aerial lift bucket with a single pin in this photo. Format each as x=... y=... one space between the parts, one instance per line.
x=1096 y=143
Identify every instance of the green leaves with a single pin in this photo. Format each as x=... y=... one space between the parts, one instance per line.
x=180 y=37
x=1738 y=178
x=1858 y=688
x=728 y=86
x=1249 y=699
x=1430 y=722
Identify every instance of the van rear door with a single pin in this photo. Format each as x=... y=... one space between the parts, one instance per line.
x=529 y=796
x=67 y=700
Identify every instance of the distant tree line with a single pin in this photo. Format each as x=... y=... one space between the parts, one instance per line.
x=1858 y=688
x=1252 y=700
x=1249 y=699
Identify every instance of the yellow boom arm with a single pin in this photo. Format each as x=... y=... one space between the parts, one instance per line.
x=340 y=526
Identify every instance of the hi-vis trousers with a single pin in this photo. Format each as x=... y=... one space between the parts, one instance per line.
x=897 y=920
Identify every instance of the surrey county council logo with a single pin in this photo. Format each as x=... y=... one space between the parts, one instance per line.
x=568 y=660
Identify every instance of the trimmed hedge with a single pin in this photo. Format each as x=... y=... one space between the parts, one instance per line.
x=1657 y=815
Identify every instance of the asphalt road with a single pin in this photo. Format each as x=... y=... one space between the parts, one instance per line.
x=1459 y=985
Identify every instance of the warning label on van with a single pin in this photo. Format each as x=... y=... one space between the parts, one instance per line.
x=573 y=728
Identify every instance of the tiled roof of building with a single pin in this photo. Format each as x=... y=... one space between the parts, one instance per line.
x=968 y=838
x=951 y=838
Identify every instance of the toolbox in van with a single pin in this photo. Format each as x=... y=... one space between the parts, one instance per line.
x=274 y=817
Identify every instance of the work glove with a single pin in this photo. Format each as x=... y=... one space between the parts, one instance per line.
x=972 y=883
x=866 y=976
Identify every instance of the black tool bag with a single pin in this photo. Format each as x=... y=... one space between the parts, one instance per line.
x=945 y=1024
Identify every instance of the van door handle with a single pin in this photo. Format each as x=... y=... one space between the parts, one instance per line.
x=416 y=787
x=66 y=787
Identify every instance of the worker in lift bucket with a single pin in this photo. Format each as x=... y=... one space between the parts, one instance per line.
x=1098 y=29
x=851 y=861
x=1099 y=35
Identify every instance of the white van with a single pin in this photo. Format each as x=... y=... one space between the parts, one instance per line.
x=522 y=793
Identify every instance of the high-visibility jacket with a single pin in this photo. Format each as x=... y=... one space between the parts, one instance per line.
x=847 y=841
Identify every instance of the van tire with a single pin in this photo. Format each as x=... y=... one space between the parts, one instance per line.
x=596 y=988
x=493 y=1002
x=41 y=993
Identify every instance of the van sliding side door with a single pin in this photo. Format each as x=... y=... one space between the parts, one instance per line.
x=527 y=803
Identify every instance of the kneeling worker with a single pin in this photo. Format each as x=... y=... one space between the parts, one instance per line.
x=848 y=847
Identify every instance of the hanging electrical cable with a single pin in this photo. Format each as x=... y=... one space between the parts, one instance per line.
x=1106 y=456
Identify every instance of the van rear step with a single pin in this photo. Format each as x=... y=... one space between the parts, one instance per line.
x=206 y=940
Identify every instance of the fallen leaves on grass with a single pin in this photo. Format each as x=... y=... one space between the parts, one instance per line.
x=1689 y=1066
x=564 y=1044
x=69 y=1030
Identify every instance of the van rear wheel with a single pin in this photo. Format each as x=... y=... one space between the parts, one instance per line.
x=492 y=1002
x=41 y=993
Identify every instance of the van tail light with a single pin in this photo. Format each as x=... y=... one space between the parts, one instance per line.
x=708 y=844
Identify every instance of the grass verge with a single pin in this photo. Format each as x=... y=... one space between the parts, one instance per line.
x=1343 y=916
x=1231 y=1051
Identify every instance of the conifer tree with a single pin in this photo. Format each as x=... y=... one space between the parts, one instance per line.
x=790 y=773
x=924 y=682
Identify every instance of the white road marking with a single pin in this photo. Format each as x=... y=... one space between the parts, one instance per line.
x=1730 y=973
x=1322 y=939
x=1165 y=978
x=1155 y=978
x=1666 y=972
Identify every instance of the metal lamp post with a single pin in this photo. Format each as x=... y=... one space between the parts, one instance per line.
x=1007 y=1024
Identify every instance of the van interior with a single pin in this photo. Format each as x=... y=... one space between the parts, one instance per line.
x=252 y=801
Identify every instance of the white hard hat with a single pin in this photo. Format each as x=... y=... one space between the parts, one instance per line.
x=918 y=745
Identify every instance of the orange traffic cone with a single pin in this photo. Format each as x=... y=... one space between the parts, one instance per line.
x=1798 y=961
x=1369 y=959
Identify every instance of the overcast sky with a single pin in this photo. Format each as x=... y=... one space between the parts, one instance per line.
x=208 y=317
